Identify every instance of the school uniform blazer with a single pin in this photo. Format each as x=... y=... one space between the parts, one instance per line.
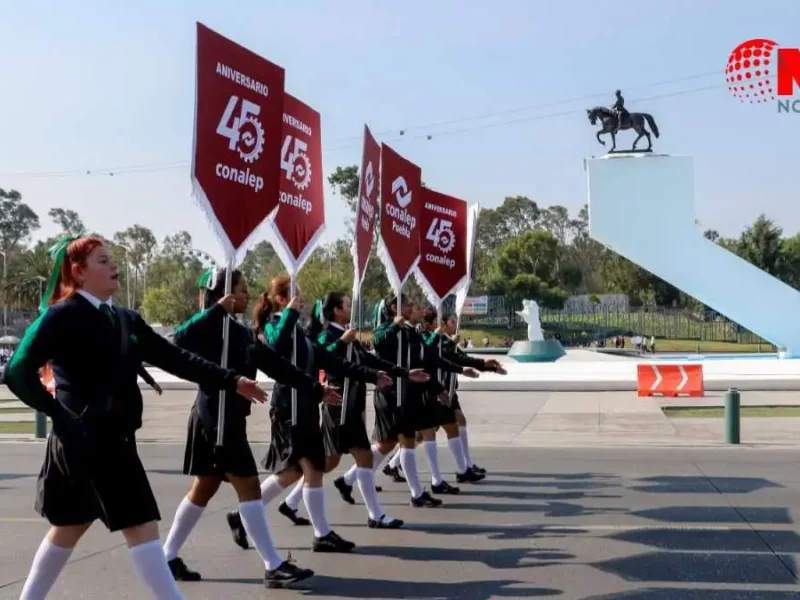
x=311 y=356
x=95 y=366
x=202 y=334
x=414 y=355
x=451 y=352
x=330 y=339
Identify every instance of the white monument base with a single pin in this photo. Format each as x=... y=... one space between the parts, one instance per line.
x=642 y=207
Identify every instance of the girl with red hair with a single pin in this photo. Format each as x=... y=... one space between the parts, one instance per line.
x=92 y=469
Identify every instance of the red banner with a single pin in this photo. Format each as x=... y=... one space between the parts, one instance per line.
x=237 y=144
x=443 y=245
x=401 y=182
x=300 y=219
x=367 y=210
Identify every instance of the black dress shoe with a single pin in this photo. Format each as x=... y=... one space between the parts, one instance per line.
x=444 y=488
x=290 y=514
x=286 y=575
x=345 y=491
x=426 y=500
x=237 y=530
x=385 y=523
x=181 y=572
x=469 y=476
x=332 y=543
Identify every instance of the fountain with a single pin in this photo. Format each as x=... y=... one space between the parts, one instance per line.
x=536 y=349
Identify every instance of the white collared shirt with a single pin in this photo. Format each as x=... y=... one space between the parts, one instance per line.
x=94 y=300
x=337 y=326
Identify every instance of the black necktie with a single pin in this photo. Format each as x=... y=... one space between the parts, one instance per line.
x=109 y=313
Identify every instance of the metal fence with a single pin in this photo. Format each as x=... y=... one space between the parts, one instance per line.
x=595 y=320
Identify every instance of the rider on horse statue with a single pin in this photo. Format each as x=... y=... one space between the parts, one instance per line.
x=619 y=107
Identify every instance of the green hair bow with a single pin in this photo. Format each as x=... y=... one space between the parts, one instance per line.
x=57 y=252
x=318 y=310
x=207 y=279
x=379 y=315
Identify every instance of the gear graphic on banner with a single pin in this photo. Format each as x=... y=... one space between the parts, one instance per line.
x=251 y=139
x=301 y=177
x=447 y=240
x=441 y=235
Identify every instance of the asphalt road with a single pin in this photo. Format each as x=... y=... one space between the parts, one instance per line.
x=569 y=523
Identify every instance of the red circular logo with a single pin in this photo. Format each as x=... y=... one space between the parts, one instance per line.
x=751 y=69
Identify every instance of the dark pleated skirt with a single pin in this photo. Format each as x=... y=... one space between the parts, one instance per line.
x=340 y=439
x=203 y=459
x=392 y=420
x=82 y=481
x=288 y=444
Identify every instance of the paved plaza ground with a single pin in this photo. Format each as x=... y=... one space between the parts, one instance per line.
x=595 y=495
x=568 y=523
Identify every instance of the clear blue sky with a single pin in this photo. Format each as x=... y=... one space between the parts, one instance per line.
x=94 y=84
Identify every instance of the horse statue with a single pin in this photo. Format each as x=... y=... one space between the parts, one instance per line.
x=609 y=119
x=530 y=314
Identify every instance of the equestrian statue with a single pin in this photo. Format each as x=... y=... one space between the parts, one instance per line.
x=617 y=118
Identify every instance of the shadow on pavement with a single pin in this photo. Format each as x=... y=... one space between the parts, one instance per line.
x=683 y=594
x=716 y=514
x=691 y=484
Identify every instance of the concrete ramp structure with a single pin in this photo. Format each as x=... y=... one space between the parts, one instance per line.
x=641 y=206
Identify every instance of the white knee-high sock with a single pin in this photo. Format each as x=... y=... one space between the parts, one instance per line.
x=150 y=565
x=294 y=497
x=270 y=489
x=457 y=450
x=432 y=453
x=366 y=485
x=350 y=476
x=462 y=434
x=377 y=457
x=47 y=565
x=255 y=524
x=409 y=461
x=395 y=460
x=315 y=505
x=186 y=517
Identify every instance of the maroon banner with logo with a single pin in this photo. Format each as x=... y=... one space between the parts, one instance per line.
x=367 y=209
x=237 y=142
x=442 y=265
x=300 y=219
x=401 y=182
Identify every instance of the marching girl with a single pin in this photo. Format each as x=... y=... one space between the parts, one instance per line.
x=234 y=463
x=440 y=340
x=395 y=423
x=329 y=326
x=92 y=469
x=297 y=451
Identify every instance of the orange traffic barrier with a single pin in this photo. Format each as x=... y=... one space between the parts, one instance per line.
x=670 y=380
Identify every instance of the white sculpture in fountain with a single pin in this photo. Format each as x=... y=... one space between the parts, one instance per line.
x=530 y=313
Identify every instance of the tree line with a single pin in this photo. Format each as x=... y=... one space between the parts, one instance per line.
x=523 y=251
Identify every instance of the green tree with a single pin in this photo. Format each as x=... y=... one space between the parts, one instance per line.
x=139 y=246
x=525 y=268
x=28 y=273
x=171 y=304
x=761 y=245
x=17 y=220
x=68 y=220
x=345 y=182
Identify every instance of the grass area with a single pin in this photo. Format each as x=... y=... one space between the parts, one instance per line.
x=496 y=337
x=22 y=427
x=714 y=412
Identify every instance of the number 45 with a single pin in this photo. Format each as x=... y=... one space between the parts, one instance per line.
x=232 y=132
x=287 y=158
x=438 y=226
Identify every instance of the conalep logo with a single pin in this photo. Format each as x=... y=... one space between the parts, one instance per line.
x=758 y=71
